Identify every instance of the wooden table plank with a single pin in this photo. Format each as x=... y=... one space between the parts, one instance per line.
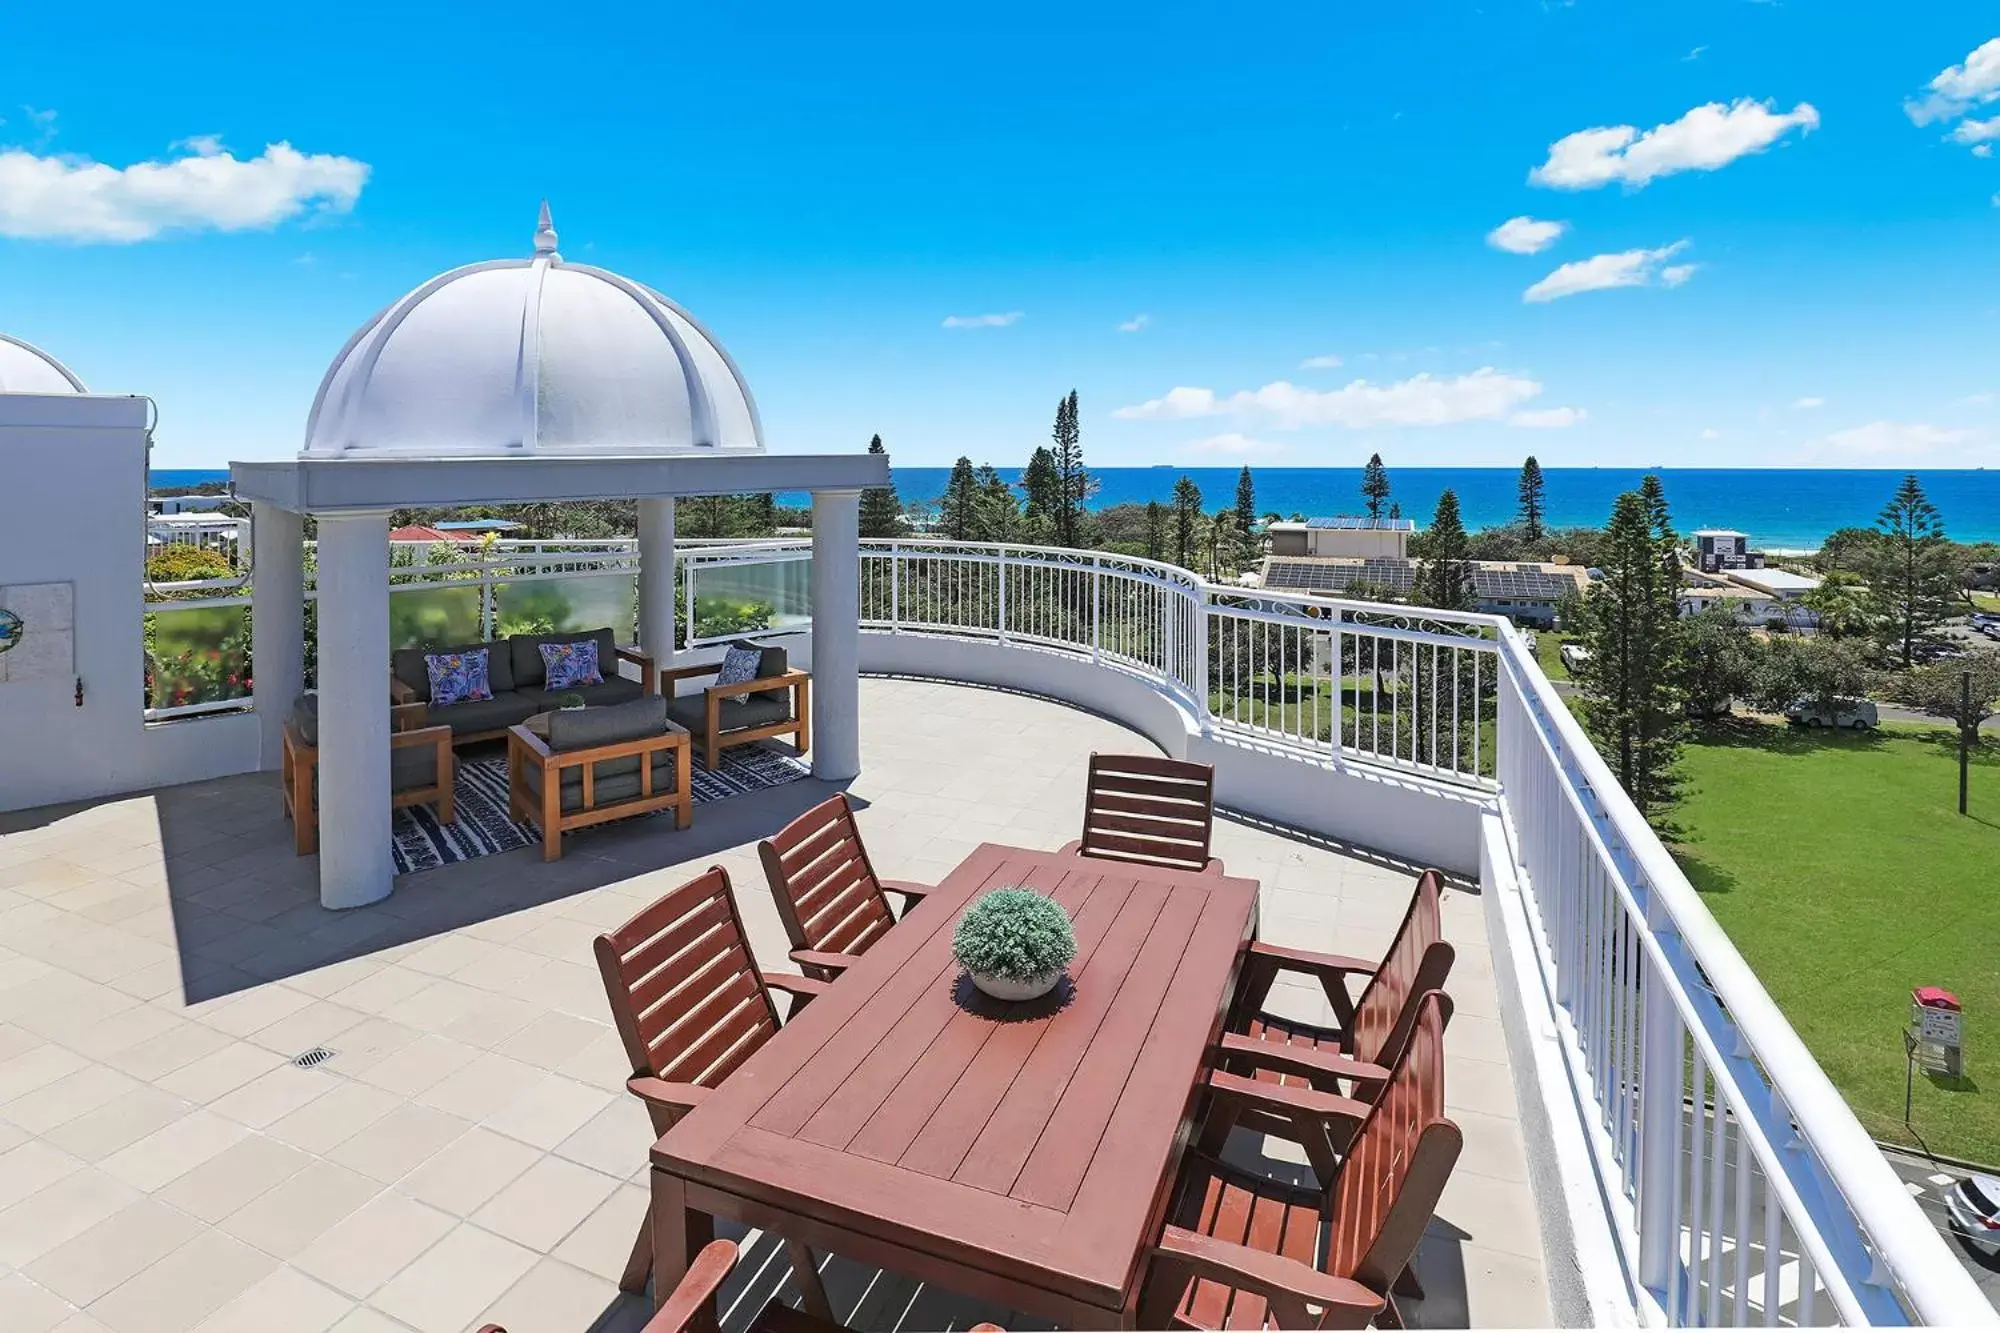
x=1025 y=1159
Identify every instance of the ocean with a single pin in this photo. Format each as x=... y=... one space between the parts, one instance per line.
x=1781 y=509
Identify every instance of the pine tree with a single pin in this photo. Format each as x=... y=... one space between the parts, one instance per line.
x=1073 y=484
x=958 y=511
x=1375 y=485
x=1040 y=487
x=1221 y=544
x=762 y=510
x=998 y=513
x=1910 y=570
x=1156 y=530
x=1533 y=505
x=1444 y=578
x=1395 y=510
x=881 y=510
x=1630 y=682
x=1187 y=520
x=1245 y=517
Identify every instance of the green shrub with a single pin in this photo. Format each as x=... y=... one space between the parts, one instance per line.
x=1017 y=934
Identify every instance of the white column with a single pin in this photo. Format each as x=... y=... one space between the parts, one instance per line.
x=836 y=635
x=656 y=581
x=277 y=620
x=355 y=867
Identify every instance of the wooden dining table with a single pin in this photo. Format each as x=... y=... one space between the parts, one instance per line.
x=1022 y=1154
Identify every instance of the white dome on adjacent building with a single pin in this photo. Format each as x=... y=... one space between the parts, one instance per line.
x=532 y=357
x=25 y=368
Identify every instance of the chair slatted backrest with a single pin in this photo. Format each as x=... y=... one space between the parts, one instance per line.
x=1396 y=1166
x=1149 y=810
x=685 y=992
x=1419 y=960
x=825 y=886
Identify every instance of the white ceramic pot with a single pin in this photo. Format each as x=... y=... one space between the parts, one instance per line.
x=1006 y=988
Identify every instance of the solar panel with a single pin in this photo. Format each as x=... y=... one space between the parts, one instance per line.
x=1360 y=523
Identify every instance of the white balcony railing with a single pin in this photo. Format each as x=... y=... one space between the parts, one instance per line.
x=1737 y=1185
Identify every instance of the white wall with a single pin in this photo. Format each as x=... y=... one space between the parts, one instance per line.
x=1426 y=822
x=73 y=483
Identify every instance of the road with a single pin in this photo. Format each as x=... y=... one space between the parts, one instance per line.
x=1927 y=1183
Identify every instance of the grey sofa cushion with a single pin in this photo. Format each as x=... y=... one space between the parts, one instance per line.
x=526 y=652
x=407 y=664
x=587 y=727
x=305 y=718
x=776 y=660
x=614 y=690
x=412 y=766
x=496 y=714
x=611 y=781
x=759 y=710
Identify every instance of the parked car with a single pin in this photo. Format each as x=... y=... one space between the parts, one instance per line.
x=1856 y=714
x=1573 y=655
x=1974 y=1205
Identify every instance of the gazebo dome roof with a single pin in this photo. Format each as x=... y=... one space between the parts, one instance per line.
x=532 y=357
x=25 y=368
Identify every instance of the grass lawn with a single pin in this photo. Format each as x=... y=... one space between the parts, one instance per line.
x=1986 y=601
x=1548 y=651
x=1840 y=866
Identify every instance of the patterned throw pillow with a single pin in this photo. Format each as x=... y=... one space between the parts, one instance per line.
x=739 y=665
x=569 y=664
x=458 y=677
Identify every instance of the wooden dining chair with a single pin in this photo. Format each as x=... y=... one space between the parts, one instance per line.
x=682 y=1310
x=1366 y=1034
x=691 y=1005
x=831 y=900
x=1148 y=810
x=1242 y=1250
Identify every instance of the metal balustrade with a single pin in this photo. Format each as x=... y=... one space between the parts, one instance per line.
x=1737 y=1185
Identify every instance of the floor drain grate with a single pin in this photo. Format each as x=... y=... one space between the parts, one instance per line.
x=318 y=1055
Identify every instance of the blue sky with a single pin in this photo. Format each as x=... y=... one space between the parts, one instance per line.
x=1172 y=208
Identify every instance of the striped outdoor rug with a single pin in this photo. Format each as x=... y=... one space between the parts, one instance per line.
x=483 y=827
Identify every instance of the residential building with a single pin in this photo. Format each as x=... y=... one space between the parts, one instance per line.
x=1526 y=592
x=1718 y=549
x=1345 y=536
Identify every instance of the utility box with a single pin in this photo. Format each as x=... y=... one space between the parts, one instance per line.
x=1937 y=1040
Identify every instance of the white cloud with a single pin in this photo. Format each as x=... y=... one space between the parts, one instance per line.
x=1234 y=443
x=982 y=321
x=75 y=199
x=1525 y=235
x=1975 y=131
x=1804 y=403
x=1626 y=268
x=1422 y=400
x=1705 y=139
x=1694 y=54
x=1982 y=150
x=1136 y=323
x=1974 y=400
x=1959 y=88
x=1711 y=433
x=1549 y=418
x=1879 y=438
x=1327 y=362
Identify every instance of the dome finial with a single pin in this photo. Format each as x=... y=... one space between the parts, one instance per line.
x=545 y=233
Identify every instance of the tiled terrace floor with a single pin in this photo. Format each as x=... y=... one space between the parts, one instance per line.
x=469 y=1153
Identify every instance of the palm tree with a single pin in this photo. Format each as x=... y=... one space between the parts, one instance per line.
x=1839 y=604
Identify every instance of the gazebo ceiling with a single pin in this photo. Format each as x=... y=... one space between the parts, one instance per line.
x=25 y=368
x=527 y=358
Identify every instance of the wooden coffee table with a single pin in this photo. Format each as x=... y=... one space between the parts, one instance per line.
x=1021 y=1154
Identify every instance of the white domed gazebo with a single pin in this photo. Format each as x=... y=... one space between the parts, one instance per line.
x=512 y=382
x=26 y=368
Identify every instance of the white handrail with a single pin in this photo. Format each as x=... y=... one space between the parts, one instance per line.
x=1920 y=1267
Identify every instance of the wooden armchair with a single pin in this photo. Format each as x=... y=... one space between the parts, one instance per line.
x=595 y=765
x=1149 y=810
x=831 y=900
x=778 y=702
x=683 y=1309
x=1367 y=1035
x=678 y=976
x=1240 y=1250
x=420 y=768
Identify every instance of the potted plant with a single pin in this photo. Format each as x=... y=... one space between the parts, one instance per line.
x=1014 y=944
x=569 y=701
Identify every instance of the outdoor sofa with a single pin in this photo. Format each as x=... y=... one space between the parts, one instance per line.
x=514 y=672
